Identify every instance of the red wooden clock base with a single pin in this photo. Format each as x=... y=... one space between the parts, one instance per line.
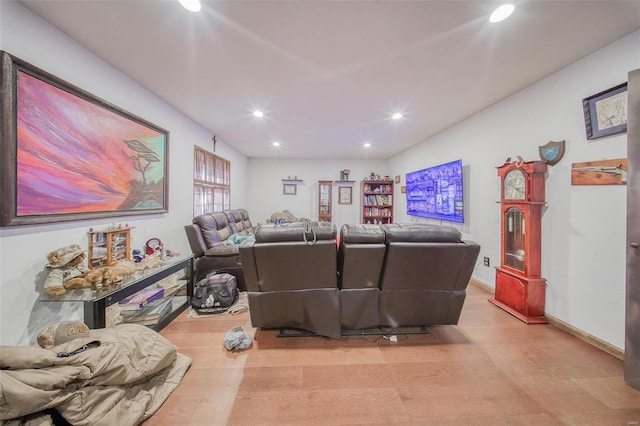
x=522 y=297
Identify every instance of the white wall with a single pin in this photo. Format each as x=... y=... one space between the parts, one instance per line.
x=265 y=197
x=23 y=249
x=583 y=241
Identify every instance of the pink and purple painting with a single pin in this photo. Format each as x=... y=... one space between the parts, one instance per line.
x=74 y=156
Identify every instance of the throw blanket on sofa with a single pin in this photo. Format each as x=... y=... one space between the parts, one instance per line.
x=122 y=377
x=237 y=239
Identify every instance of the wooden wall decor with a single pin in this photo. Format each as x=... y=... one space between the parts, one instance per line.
x=604 y=172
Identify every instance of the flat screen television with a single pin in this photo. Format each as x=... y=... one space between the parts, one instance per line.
x=436 y=192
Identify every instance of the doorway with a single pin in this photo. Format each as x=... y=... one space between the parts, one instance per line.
x=632 y=311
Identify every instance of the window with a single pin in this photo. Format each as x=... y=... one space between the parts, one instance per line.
x=211 y=182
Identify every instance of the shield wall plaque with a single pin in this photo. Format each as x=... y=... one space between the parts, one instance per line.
x=551 y=152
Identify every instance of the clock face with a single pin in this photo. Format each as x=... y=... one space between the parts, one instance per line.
x=514 y=185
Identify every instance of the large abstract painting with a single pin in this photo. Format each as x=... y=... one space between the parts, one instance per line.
x=72 y=156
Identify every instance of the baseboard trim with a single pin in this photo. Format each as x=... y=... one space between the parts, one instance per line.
x=568 y=328
x=482 y=285
x=582 y=335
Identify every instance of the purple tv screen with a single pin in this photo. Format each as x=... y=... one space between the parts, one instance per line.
x=436 y=192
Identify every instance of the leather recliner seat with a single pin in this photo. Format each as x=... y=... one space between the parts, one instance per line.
x=381 y=276
x=360 y=260
x=426 y=272
x=290 y=274
x=210 y=237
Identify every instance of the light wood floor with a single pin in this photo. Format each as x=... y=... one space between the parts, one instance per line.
x=491 y=369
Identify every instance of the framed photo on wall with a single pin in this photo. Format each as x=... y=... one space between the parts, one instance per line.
x=73 y=156
x=344 y=195
x=289 y=188
x=605 y=113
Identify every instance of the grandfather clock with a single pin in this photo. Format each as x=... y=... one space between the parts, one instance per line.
x=520 y=290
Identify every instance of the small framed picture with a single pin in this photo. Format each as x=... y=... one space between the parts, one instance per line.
x=403 y=189
x=398 y=179
x=344 y=195
x=289 y=188
x=605 y=113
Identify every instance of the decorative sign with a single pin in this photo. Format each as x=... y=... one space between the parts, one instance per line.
x=551 y=152
x=605 y=172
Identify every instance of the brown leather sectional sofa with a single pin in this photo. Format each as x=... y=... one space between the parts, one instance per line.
x=378 y=277
x=213 y=238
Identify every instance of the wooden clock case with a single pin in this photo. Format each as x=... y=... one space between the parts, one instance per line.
x=519 y=288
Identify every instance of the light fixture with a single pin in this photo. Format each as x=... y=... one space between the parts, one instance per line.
x=396 y=116
x=258 y=113
x=191 y=5
x=501 y=13
x=276 y=143
x=366 y=145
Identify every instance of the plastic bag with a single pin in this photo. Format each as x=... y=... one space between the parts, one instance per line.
x=237 y=338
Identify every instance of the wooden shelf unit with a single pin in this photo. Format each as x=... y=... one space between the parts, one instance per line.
x=109 y=246
x=377 y=201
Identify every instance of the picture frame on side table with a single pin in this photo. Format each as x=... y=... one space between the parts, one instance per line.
x=73 y=156
x=344 y=195
x=289 y=188
x=605 y=113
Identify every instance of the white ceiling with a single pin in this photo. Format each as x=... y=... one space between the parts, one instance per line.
x=328 y=74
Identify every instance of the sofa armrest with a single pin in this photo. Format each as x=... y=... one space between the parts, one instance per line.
x=468 y=265
x=196 y=242
x=222 y=250
x=248 y=261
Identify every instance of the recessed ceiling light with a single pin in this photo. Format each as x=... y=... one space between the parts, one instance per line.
x=191 y=5
x=367 y=145
x=396 y=116
x=502 y=13
x=276 y=144
x=258 y=113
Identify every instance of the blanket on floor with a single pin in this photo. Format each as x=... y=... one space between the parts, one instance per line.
x=115 y=376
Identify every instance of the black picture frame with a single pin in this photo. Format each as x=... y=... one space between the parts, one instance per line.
x=605 y=113
x=68 y=155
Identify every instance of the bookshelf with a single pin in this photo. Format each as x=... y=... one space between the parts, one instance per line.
x=377 y=201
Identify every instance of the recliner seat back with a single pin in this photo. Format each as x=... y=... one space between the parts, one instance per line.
x=239 y=222
x=291 y=278
x=427 y=269
x=360 y=255
x=214 y=227
x=360 y=260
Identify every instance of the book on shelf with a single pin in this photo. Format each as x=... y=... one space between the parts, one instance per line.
x=176 y=290
x=153 y=313
x=139 y=300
